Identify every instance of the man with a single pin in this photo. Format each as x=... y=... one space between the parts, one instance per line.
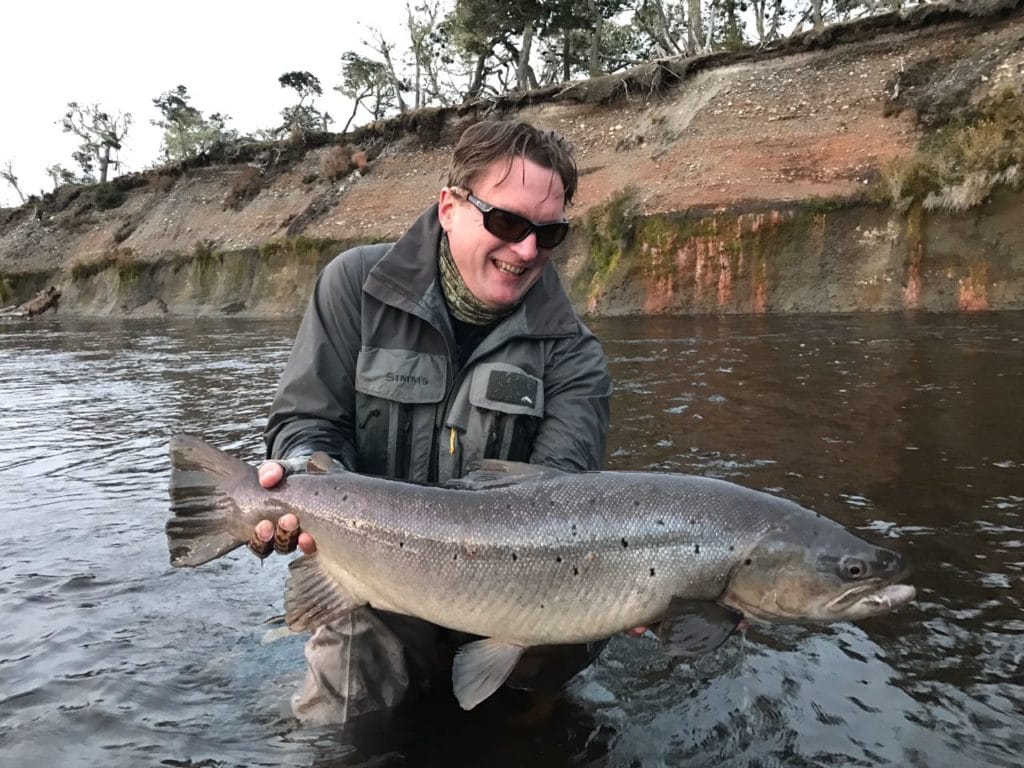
x=415 y=359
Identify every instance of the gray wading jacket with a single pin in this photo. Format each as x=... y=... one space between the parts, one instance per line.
x=372 y=376
x=372 y=380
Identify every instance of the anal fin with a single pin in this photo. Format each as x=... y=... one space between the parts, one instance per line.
x=481 y=667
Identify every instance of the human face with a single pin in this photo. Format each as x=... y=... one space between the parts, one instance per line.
x=497 y=272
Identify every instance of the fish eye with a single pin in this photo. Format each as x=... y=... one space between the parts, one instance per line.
x=853 y=568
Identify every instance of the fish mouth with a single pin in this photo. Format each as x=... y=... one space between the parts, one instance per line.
x=869 y=599
x=861 y=601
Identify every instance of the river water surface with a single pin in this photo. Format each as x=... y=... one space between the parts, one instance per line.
x=907 y=429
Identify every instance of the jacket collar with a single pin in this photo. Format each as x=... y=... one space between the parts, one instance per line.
x=406 y=278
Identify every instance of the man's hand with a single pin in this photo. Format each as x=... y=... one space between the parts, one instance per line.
x=278 y=537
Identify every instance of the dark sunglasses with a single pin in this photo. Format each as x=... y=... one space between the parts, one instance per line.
x=513 y=228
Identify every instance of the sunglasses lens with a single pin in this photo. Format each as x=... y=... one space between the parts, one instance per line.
x=550 y=235
x=507 y=225
x=513 y=228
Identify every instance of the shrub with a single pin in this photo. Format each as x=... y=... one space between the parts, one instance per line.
x=107 y=196
x=337 y=163
x=958 y=166
x=246 y=184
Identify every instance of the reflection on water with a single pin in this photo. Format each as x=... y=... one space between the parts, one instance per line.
x=904 y=428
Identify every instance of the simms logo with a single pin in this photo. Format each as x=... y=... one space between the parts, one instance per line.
x=406 y=379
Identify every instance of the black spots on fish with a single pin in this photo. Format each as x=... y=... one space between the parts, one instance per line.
x=748 y=561
x=625 y=544
x=558 y=558
x=344 y=497
x=659 y=522
x=696 y=549
x=732 y=547
x=401 y=545
x=693 y=521
x=636 y=502
x=575 y=571
x=514 y=557
x=652 y=573
x=455 y=557
x=591 y=501
x=575 y=531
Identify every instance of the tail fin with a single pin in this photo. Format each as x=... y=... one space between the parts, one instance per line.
x=200 y=528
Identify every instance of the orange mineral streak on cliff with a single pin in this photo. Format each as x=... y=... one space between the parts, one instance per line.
x=724 y=276
x=912 y=284
x=761 y=289
x=974 y=289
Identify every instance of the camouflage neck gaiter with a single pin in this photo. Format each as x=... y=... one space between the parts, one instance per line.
x=461 y=301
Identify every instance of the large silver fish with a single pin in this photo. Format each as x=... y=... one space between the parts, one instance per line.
x=524 y=555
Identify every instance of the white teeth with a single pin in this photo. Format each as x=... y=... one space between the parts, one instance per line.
x=509 y=268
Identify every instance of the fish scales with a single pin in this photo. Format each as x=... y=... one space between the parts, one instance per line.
x=528 y=556
x=549 y=561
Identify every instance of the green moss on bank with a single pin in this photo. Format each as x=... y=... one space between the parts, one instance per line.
x=610 y=230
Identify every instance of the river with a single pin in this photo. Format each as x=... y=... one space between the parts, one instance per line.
x=908 y=429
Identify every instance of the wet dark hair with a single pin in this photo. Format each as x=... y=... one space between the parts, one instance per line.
x=486 y=142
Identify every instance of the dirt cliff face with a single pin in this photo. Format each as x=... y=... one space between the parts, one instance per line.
x=746 y=182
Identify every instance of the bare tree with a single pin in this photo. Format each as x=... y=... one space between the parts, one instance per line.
x=101 y=134
x=384 y=48
x=695 y=28
x=7 y=174
x=597 y=19
x=523 y=72
x=819 y=21
x=422 y=21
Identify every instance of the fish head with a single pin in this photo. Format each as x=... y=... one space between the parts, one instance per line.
x=816 y=571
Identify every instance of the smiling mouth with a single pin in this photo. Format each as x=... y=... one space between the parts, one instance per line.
x=508 y=268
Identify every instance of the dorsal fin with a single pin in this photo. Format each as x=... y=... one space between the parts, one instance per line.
x=496 y=473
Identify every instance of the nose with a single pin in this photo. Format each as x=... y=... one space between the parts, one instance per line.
x=526 y=249
x=888 y=563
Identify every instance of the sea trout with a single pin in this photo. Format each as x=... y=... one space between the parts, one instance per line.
x=525 y=555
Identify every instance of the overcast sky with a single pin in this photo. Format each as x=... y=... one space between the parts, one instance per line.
x=122 y=55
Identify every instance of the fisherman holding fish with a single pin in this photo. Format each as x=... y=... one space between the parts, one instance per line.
x=454 y=361
x=417 y=358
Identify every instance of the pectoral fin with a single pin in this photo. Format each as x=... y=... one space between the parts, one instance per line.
x=313 y=596
x=481 y=667
x=692 y=628
x=322 y=464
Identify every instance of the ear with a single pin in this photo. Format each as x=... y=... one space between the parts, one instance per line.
x=446 y=208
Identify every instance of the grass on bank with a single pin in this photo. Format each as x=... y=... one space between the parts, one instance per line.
x=124 y=260
x=957 y=167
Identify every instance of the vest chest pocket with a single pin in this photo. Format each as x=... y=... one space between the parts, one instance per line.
x=397 y=391
x=499 y=412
